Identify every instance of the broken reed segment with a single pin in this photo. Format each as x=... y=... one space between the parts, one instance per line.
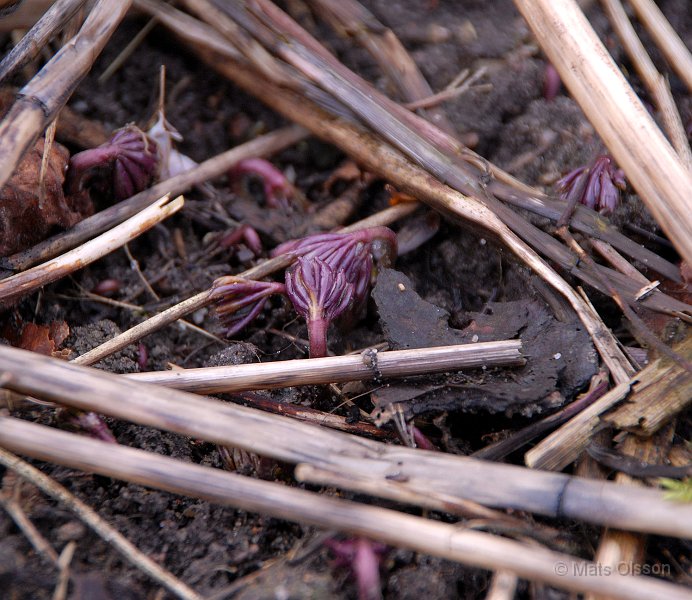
x=662 y=390
x=370 y=364
x=666 y=38
x=40 y=100
x=287 y=440
x=477 y=549
x=16 y=286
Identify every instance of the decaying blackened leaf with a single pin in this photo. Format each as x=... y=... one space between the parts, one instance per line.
x=560 y=356
x=26 y=215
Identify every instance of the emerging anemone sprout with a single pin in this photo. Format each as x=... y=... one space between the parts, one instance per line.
x=319 y=294
x=363 y=558
x=596 y=186
x=351 y=253
x=130 y=154
x=239 y=301
x=277 y=189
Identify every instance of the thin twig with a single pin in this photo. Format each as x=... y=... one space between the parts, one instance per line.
x=563 y=446
x=110 y=535
x=16 y=286
x=40 y=544
x=430 y=537
x=64 y=561
x=337 y=369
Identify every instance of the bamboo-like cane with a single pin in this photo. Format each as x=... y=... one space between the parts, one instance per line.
x=492 y=484
x=655 y=82
x=41 y=99
x=37 y=37
x=636 y=143
x=430 y=537
x=337 y=369
x=666 y=38
x=16 y=286
x=104 y=220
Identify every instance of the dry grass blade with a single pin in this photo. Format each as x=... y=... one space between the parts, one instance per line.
x=666 y=38
x=16 y=286
x=337 y=369
x=430 y=537
x=140 y=560
x=634 y=140
x=37 y=37
x=550 y=494
x=654 y=81
x=41 y=99
x=104 y=220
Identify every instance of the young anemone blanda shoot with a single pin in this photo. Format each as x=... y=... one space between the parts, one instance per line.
x=277 y=189
x=597 y=185
x=363 y=558
x=332 y=275
x=319 y=294
x=131 y=155
x=239 y=301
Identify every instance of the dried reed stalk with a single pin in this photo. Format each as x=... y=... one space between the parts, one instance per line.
x=337 y=369
x=634 y=140
x=112 y=536
x=666 y=38
x=655 y=82
x=39 y=35
x=16 y=286
x=214 y=167
x=492 y=484
x=430 y=537
x=40 y=100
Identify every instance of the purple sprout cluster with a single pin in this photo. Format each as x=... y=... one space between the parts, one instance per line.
x=597 y=186
x=130 y=154
x=330 y=277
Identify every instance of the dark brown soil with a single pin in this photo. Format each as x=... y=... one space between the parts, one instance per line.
x=457 y=277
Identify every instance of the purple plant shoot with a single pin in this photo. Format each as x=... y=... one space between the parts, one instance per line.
x=239 y=301
x=131 y=156
x=363 y=558
x=277 y=189
x=319 y=294
x=596 y=186
x=351 y=253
